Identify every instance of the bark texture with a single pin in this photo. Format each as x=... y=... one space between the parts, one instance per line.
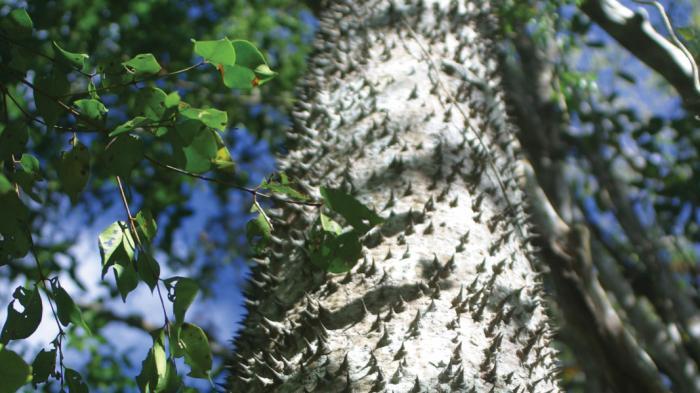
x=402 y=107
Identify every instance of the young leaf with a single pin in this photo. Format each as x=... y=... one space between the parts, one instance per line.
x=146 y=225
x=43 y=366
x=69 y=59
x=74 y=170
x=143 y=64
x=75 y=382
x=216 y=52
x=20 y=325
x=185 y=291
x=67 y=310
x=196 y=349
x=14 y=372
x=356 y=214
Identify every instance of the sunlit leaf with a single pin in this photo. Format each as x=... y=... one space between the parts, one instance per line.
x=216 y=52
x=69 y=59
x=143 y=64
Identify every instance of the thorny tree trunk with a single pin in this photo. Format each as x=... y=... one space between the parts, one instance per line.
x=402 y=107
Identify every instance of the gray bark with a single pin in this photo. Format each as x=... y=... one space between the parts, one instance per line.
x=402 y=107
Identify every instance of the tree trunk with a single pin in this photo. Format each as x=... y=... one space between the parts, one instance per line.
x=402 y=107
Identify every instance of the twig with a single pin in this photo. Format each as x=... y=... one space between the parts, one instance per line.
x=251 y=191
x=132 y=227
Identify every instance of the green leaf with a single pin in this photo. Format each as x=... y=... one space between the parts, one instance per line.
x=146 y=225
x=20 y=325
x=74 y=170
x=172 y=100
x=354 y=212
x=264 y=73
x=116 y=246
x=148 y=269
x=216 y=52
x=5 y=185
x=130 y=125
x=126 y=277
x=211 y=117
x=14 y=372
x=247 y=54
x=195 y=346
x=152 y=102
x=69 y=59
x=143 y=64
x=185 y=291
x=154 y=369
x=91 y=109
x=48 y=90
x=18 y=22
x=194 y=146
x=43 y=366
x=75 y=382
x=67 y=310
x=13 y=139
x=282 y=185
x=346 y=250
x=122 y=155
x=30 y=164
x=258 y=230
x=223 y=160
x=238 y=77
x=328 y=225
x=109 y=242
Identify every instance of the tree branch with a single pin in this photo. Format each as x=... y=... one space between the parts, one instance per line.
x=634 y=32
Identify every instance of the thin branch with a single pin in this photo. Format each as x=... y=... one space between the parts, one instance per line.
x=132 y=227
x=634 y=32
x=251 y=191
x=137 y=81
